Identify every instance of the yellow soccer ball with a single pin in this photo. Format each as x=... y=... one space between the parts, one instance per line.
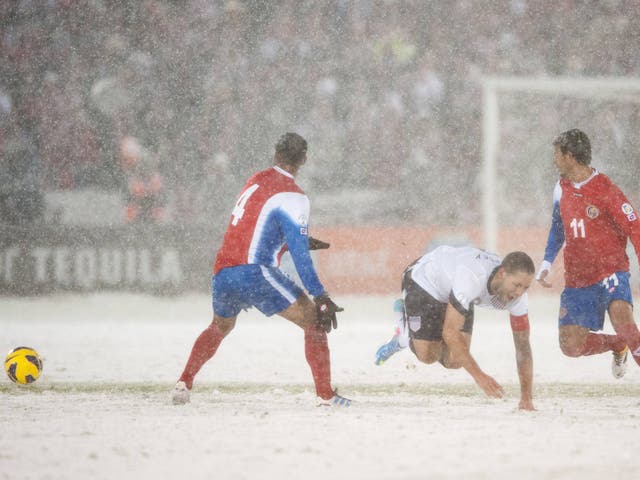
x=23 y=365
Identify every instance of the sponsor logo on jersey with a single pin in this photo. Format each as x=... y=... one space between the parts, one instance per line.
x=302 y=220
x=592 y=212
x=303 y=231
x=631 y=217
x=627 y=209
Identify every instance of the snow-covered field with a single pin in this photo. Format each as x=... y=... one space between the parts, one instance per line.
x=101 y=409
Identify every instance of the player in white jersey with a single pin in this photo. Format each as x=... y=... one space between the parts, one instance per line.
x=435 y=315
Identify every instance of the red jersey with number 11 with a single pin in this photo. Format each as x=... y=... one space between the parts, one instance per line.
x=596 y=219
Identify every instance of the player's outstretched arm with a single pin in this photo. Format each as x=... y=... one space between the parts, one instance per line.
x=543 y=273
x=555 y=240
x=524 y=360
x=458 y=345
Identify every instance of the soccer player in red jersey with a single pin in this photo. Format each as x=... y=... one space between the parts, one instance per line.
x=593 y=219
x=270 y=216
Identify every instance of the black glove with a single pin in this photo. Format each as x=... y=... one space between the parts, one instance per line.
x=326 y=312
x=315 y=244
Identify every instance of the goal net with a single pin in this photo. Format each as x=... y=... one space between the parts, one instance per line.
x=522 y=116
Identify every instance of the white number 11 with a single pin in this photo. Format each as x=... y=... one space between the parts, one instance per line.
x=578 y=227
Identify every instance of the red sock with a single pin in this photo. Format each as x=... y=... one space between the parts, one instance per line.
x=316 y=349
x=630 y=334
x=203 y=349
x=600 y=343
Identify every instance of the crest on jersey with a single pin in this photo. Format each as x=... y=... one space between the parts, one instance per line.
x=592 y=212
x=628 y=211
x=414 y=323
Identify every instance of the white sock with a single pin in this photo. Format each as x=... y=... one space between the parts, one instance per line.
x=398 y=316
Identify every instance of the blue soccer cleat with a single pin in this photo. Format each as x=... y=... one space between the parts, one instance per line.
x=337 y=401
x=385 y=351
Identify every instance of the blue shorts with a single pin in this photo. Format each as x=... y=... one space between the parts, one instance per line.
x=268 y=289
x=586 y=306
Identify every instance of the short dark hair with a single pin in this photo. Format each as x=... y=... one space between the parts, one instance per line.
x=291 y=148
x=577 y=143
x=518 y=262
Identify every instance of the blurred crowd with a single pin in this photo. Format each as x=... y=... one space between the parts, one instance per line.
x=174 y=103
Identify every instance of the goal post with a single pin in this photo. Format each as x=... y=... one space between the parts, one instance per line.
x=600 y=89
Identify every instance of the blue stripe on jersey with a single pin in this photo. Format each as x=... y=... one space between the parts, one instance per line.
x=270 y=240
x=556 y=235
x=279 y=226
x=297 y=240
x=556 y=232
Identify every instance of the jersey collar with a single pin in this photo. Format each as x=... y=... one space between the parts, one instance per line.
x=578 y=186
x=283 y=172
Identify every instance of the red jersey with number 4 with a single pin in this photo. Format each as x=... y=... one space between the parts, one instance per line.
x=270 y=217
x=597 y=220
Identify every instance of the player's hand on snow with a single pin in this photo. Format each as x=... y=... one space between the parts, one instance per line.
x=542 y=279
x=326 y=312
x=489 y=386
x=315 y=244
x=526 y=404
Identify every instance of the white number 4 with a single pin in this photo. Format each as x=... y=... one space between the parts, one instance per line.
x=238 y=210
x=578 y=227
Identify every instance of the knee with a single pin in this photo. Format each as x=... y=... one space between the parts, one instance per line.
x=427 y=356
x=310 y=312
x=451 y=364
x=225 y=325
x=571 y=348
x=308 y=316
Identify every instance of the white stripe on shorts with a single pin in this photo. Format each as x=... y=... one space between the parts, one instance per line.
x=274 y=283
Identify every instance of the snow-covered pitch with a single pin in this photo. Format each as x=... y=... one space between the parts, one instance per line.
x=102 y=409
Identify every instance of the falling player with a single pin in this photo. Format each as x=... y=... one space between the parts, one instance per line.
x=435 y=317
x=594 y=219
x=270 y=216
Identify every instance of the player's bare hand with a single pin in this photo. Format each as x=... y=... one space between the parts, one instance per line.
x=542 y=279
x=526 y=404
x=489 y=386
